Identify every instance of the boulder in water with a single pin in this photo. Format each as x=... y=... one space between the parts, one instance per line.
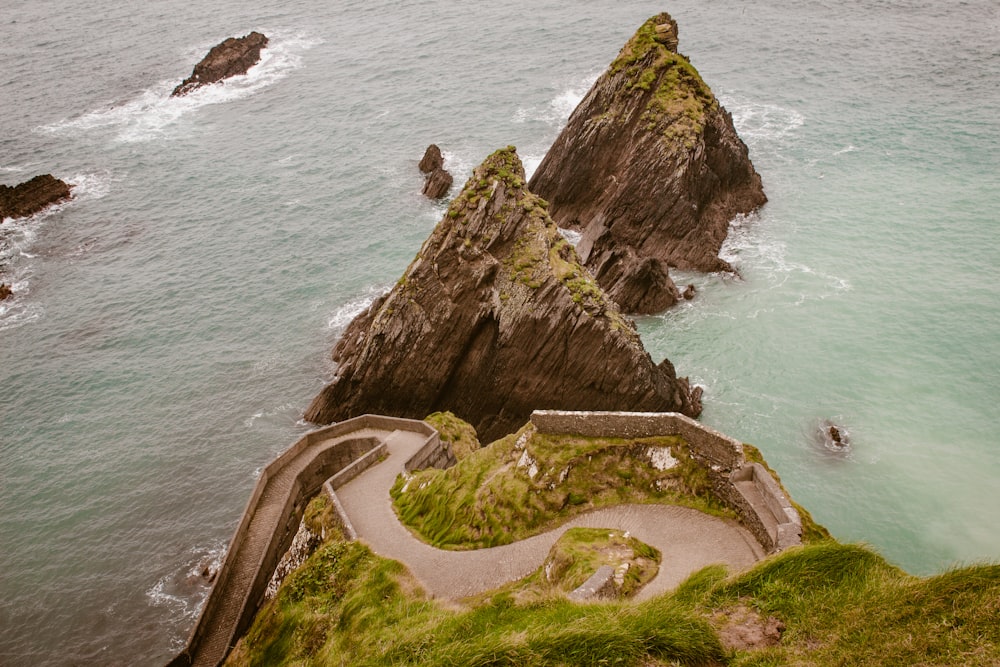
x=32 y=196
x=234 y=56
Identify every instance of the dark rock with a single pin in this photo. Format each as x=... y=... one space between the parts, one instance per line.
x=232 y=57
x=32 y=196
x=438 y=184
x=5 y=291
x=638 y=285
x=431 y=160
x=689 y=292
x=649 y=161
x=493 y=319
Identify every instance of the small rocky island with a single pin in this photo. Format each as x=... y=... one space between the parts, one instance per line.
x=34 y=195
x=496 y=318
x=232 y=57
x=650 y=170
x=438 y=179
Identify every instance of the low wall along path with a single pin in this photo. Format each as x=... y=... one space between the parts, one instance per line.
x=379 y=448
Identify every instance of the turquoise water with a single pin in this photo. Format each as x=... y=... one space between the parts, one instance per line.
x=173 y=321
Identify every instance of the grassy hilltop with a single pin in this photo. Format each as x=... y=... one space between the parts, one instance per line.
x=837 y=604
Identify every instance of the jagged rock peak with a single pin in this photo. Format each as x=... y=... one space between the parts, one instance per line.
x=494 y=318
x=649 y=166
x=34 y=195
x=234 y=56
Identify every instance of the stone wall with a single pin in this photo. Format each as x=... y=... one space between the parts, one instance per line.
x=706 y=443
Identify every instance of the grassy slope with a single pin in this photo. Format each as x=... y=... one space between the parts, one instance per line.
x=841 y=604
x=491 y=497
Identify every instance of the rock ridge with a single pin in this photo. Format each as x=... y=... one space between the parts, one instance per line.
x=34 y=195
x=494 y=318
x=650 y=170
x=232 y=57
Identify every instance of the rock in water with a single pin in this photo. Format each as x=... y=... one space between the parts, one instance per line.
x=32 y=196
x=431 y=160
x=649 y=166
x=438 y=183
x=5 y=291
x=234 y=56
x=493 y=319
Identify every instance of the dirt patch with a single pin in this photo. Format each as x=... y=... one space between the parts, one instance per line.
x=743 y=628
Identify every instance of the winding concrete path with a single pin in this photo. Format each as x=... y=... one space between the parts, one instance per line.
x=688 y=539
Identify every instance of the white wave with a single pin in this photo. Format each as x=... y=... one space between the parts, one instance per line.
x=90 y=186
x=757 y=123
x=572 y=236
x=149 y=115
x=559 y=108
x=850 y=148
x=185 y=591
x=531 y=163
x=341 y=317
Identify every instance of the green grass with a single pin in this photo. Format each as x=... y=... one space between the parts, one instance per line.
x=529 y=482
x=461 y=435
x=841 y=605
x=579 y=552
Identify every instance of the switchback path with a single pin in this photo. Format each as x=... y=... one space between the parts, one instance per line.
x=688 y=539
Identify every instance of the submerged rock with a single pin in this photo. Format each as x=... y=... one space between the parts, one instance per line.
x=493 y=319
x=232 y=57
x=32 y=196
x=649 y=166
x=5 y=291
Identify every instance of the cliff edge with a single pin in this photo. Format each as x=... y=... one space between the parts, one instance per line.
x=493 y=319
x=650 y=170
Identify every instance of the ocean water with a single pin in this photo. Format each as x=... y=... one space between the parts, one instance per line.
x=173 y=321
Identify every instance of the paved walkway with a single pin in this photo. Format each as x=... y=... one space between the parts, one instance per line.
x=688 y=539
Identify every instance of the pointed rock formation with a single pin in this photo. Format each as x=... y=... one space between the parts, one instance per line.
x=649 y=166
x=32 y=196
x=232 y=57
x=438 y=180
x=493 y=319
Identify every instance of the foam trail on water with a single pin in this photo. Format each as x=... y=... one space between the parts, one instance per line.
x=149 y=115
x=758 y=123
x=341 y=317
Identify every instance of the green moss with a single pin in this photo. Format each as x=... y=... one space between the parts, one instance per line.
x=677 y=97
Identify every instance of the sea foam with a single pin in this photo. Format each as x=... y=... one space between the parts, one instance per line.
x=153 y=112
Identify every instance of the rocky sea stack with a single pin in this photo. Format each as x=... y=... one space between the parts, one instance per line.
x=493 y=319
x=650 y=169
x=32 y=196
x=232 y=57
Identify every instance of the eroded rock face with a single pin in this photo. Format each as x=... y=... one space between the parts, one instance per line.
x=232 y=57
x=32 y=196
x=649 y=162
x=495 y=318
